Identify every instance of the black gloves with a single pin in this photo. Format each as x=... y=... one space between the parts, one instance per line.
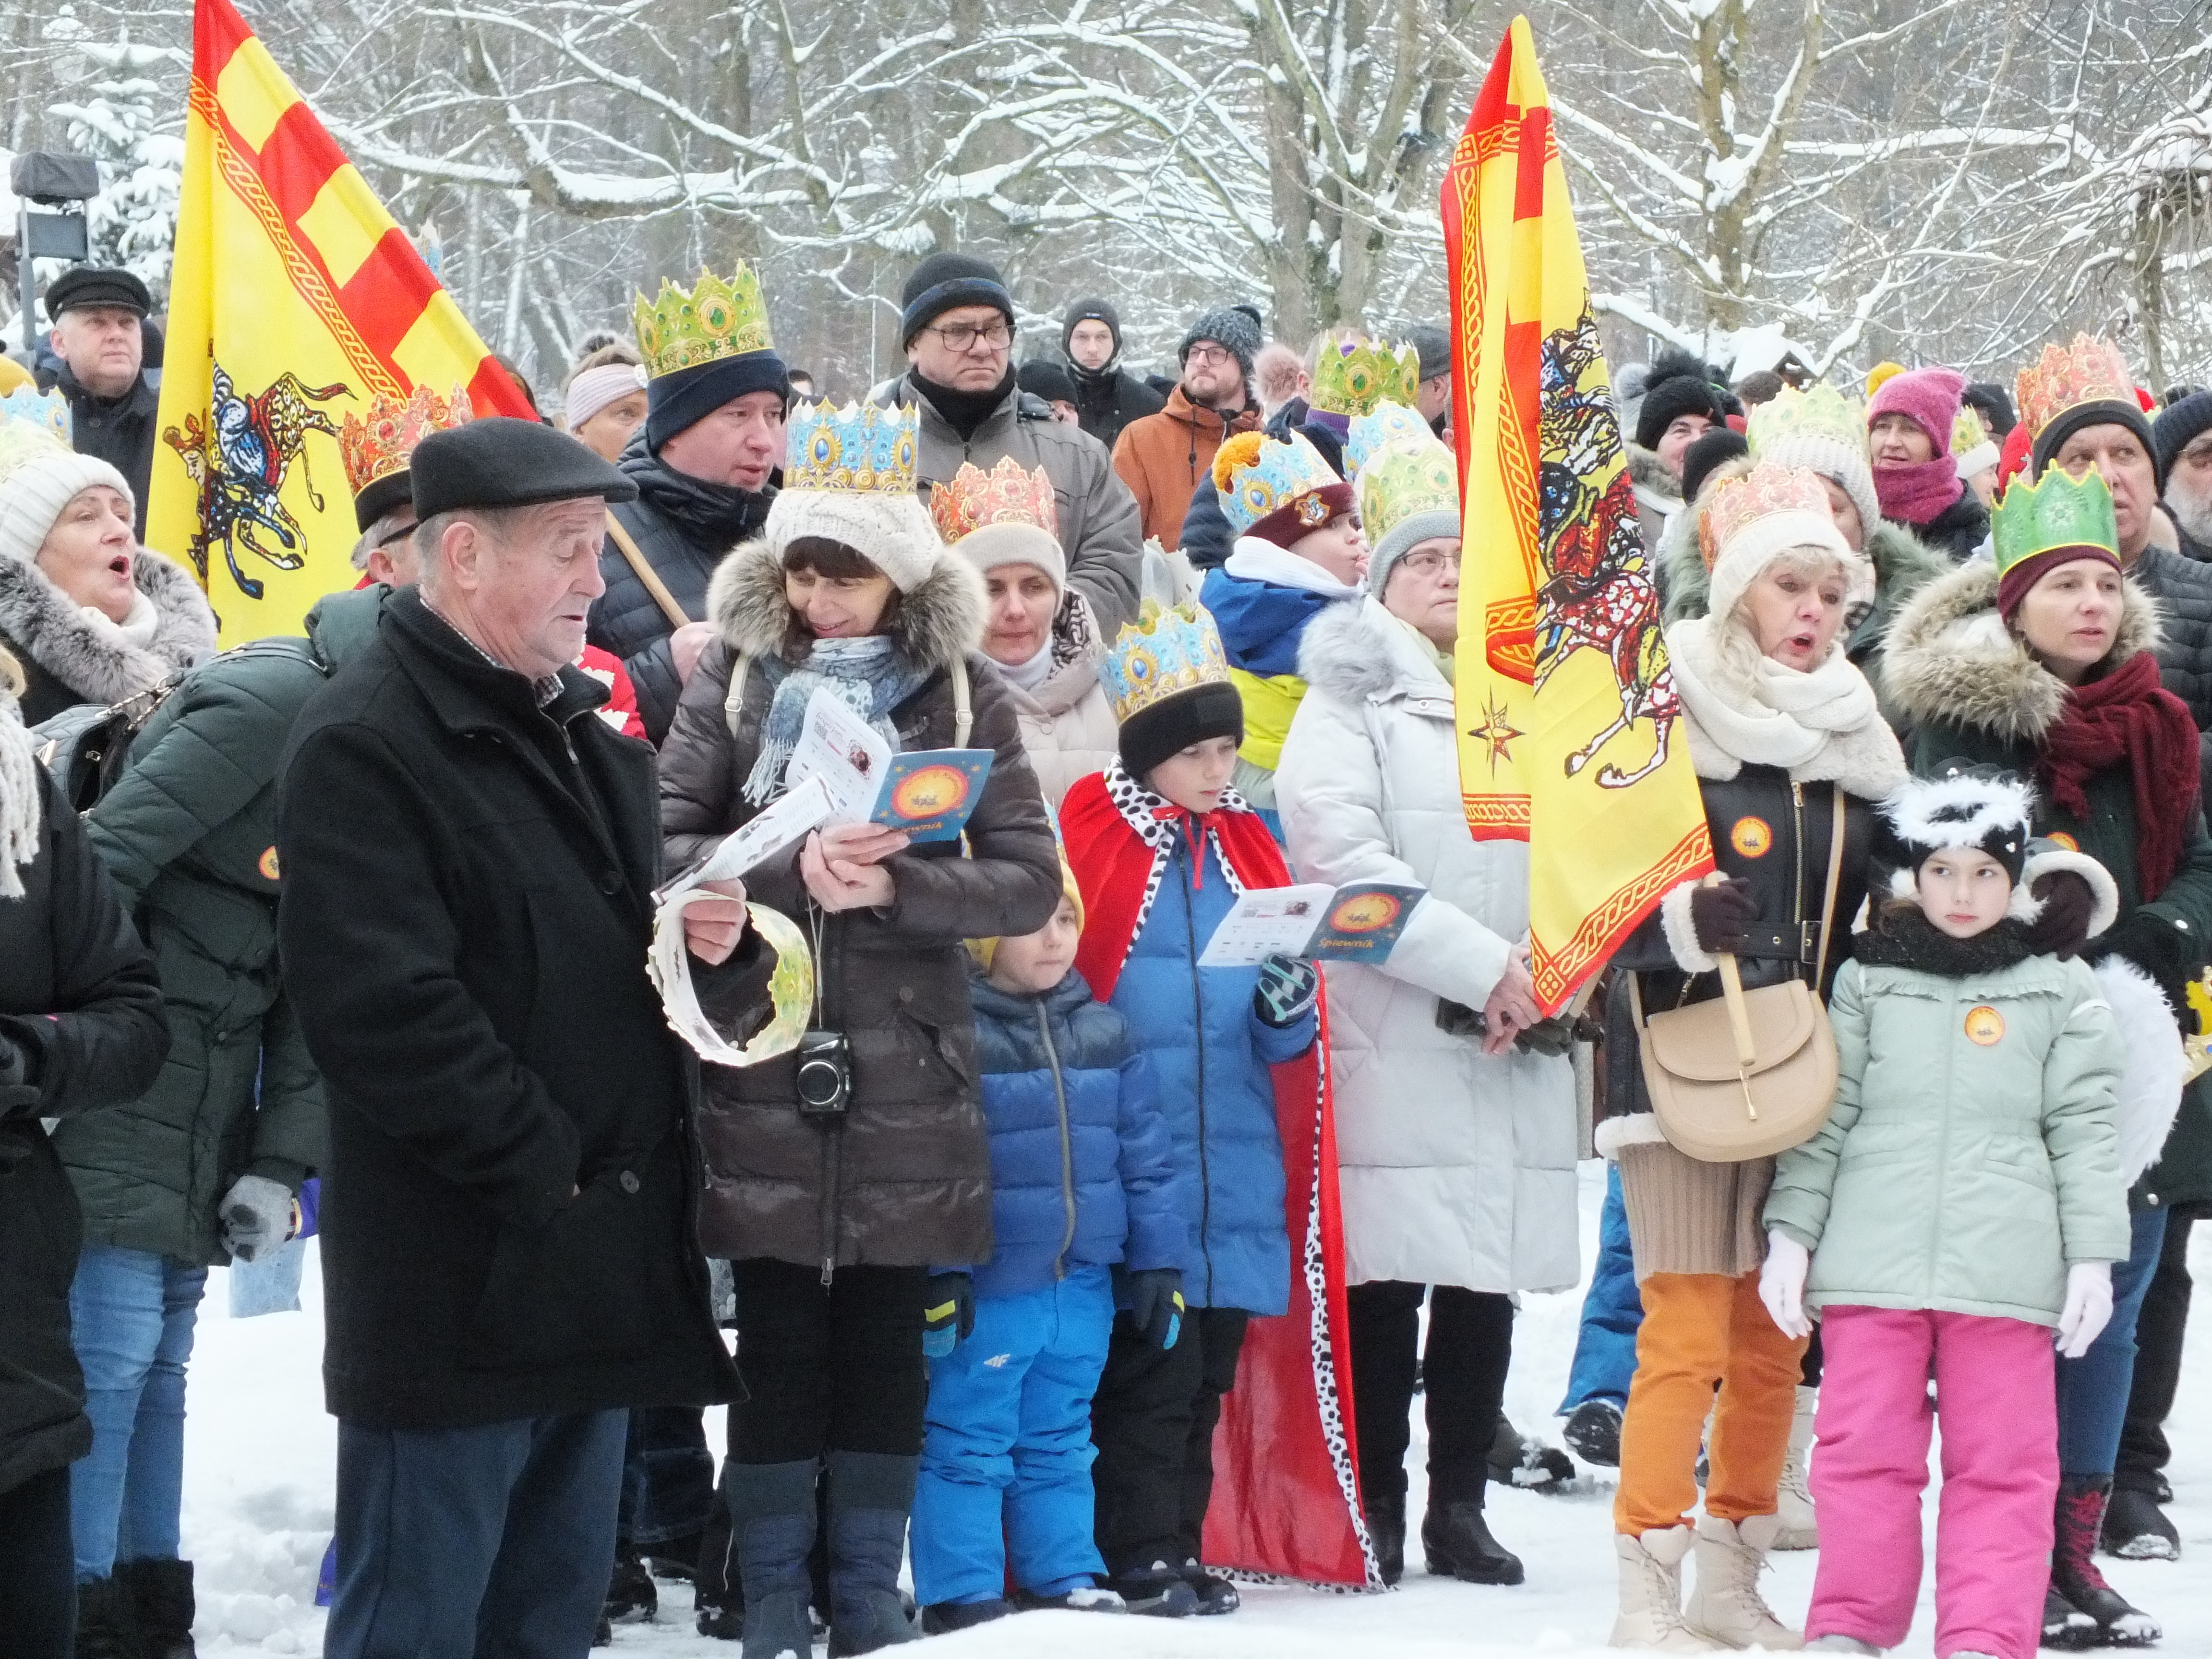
x=2161 y=950
x=948 y=1313
x=1286 y=991
x=2067 y=905
x=1155 y=1304
x=1721 y=916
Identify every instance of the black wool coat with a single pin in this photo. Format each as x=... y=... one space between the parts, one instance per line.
x=509 y=1204
x=80 y=1000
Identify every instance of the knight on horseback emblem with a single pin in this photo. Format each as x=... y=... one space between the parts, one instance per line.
x=238 y=460
x=1597 y=592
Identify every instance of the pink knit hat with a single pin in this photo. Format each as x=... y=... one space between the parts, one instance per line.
x=1928 y=396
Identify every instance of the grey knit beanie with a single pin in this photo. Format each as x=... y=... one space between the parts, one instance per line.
x=1231 y=327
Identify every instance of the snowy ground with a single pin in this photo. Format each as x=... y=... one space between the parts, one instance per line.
x=259 y=1490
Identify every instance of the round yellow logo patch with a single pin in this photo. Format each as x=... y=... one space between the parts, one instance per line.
x=1753 y=837
x=1984 y=1025
x=2065 y=841
x=267 y=864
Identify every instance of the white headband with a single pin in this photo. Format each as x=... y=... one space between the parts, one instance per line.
x=595 y=388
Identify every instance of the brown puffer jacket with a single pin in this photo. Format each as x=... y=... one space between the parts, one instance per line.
x=907 y=1180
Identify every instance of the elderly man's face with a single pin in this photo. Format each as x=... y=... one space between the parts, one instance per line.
x=522 y=590
x=102 y=347
x=965 y=348
x=2129 y=471
x=2188 y=489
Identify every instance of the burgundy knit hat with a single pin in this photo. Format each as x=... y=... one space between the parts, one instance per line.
x=1928 y=396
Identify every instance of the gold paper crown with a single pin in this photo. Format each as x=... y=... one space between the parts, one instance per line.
x=1765 y=492
x=32 y=424
x=715 y=320
x=862 y=447
x=1355 y=373
x=1008 y=493
x=382 y=442
x=1822 y=413
x=2085 y=370
x=1162 y=652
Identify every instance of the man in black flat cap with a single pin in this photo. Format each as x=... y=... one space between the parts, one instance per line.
x=508 y=1256
x=97 y=315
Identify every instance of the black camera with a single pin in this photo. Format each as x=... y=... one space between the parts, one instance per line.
x=825 y=1074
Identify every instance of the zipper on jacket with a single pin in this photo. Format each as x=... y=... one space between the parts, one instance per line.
x=1067 y=1146
x=1198 y=1012
x=1797 y=891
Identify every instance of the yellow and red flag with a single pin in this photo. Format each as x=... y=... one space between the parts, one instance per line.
x=295 y=300
x=1567 y=712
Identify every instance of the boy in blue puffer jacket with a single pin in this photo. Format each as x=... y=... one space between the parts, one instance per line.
x=1082 y=1178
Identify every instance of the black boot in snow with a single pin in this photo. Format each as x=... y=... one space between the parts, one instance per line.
x=1215 y=1594
x=1593 y=1433
x=107 y=1627
x=631 y=1598
x=771 y=1530
x=943 y=1618
x=2066 y=1628
x=871 y=1494
x=161 y=1603
x=1386 y=1531
x=1155 y=1592
x=1456 y=1540
x=1527 y=1463
x=2137 y=1529
x=2074 y=1571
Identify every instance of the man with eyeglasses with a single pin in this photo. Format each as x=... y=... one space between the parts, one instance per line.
x=1163 y=457
x=957 y=329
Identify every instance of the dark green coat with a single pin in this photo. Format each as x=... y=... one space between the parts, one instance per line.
x=1971 y=691
x=188 y=835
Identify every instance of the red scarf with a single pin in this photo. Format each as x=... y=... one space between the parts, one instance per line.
x=2126 y=720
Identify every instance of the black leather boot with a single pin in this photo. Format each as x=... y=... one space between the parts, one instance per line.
x=1456 y=1539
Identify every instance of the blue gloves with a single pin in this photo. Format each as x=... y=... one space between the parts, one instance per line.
x=948 y=1313
x=1155 y=1304
x=1288 y=991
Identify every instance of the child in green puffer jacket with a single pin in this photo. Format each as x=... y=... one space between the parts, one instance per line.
x=1964 y=1199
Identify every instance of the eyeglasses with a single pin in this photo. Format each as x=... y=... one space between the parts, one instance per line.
x=1430 y=563
x=962 y=336
x=1204 y=355
x=398 y=535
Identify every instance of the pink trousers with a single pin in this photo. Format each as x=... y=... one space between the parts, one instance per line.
x=1994 y=1382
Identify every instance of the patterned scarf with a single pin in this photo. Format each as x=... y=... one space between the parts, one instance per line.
x=871 y=674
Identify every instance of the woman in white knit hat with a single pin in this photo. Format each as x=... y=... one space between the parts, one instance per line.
x=92 y=616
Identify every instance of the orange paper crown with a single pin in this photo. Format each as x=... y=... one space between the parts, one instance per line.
x=1008 y=493
x=1765 y=492
x=381 y=444
x=2085 y=370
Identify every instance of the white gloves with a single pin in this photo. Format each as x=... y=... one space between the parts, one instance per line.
x=2089 y=1307
x=257 y=1217
x=1782 y=1284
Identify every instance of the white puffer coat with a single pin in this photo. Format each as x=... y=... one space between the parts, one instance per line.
x=1455 y=1169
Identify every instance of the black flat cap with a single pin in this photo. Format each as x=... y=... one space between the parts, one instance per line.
x=82 y=286
x=499 y=461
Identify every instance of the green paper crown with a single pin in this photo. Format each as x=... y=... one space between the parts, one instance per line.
x=713 y=320
x=1412 y=476
x=1355 y=373
x=1824 y=413
x=2058 y=510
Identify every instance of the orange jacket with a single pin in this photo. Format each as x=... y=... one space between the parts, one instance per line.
x=1163 y=457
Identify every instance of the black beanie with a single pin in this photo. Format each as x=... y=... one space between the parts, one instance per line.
x=1162 y=729
x=673 y=402
x=1678 y=385
x=2102 y=411
x=1090 y=311
x=945 y=281
x=2177 y=425
x=1041 y=377
x=1993 y=403
x=1712 y=449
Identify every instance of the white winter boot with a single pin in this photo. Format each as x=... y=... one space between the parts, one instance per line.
x=1800 y=1529
x=1651 y=1592
x=1724 y=1604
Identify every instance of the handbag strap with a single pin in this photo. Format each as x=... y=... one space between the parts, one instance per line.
x=1835 y=879
x=645 y=573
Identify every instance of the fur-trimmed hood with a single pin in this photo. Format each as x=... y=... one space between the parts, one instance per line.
x=1950 y=659
x=51 y=631
x=1647 y=473
x=936 y=625
x=1356 y=652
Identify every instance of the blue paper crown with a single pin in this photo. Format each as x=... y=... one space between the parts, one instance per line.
x=48 y=410
x=1277 y=477
x=1162 y=652
x=1370 y=435
x=862 y=447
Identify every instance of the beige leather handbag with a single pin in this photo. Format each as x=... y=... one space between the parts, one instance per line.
x=1749 y=1073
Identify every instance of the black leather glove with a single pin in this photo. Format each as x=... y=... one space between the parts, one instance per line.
x=2067 y=905
x=1721 y=916
x=948 y=1313
x=2160 y=949
x=1155 y=1304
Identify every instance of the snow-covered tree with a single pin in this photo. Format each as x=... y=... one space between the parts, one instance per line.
x=127 y=113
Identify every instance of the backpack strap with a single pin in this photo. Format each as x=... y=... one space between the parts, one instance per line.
x=963 y=714
x=740 y=671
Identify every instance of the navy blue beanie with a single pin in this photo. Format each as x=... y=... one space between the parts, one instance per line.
x=945 y=281
x=673 y=402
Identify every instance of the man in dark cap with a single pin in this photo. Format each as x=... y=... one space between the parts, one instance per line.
x=958 y=330
x=2181 y=440
x=1107 y=396
x=1164 y=457
x=97 y=315
x=1048 y=378
x=1431 y=343
x=508 y=1252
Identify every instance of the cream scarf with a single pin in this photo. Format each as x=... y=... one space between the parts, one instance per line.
x=20 y=791
x=1821 y=727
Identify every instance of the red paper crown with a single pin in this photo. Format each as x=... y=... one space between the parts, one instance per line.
x=1008 y=493
x=2085 y=370
x=381 y=443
